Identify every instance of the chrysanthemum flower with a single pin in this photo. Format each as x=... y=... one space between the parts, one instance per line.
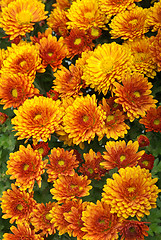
x=38 y=118
x=83 y=119
x=132 y=230
x=106 y=65
x=77 y=42
x=15 y=89
x=57 y=21
x=134 y=95
x=143 y=141
x=119 y=154
x=26 y=166
x=52 y=51
x=63 y=4
x=114 y=123
x=68 y=82
x=131 y=192
x=152 y=120
x=42 y=148
x=99 y=223
x=70 y=187
x=146 y=161
x=154 y=17
x=112 y=7
x=61 y=162
x=22 y=231
x=52 y=94
x=40 y=35
x=3 y=118
x=143 y=62
x=155 y=49
x=23 y=58
x=19 y=17
x=94 y=33
x=92 y=167
x=58 y=218
x=91 y=15
x=40 y=218
x=73 y=217
x=17 y=205
x=129 y=24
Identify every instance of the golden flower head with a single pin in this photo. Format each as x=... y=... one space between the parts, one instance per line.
x=131 y=192
x=20 y=16
x=134 y=95
x=38 y=118
x=106 y=65
x=154 y=17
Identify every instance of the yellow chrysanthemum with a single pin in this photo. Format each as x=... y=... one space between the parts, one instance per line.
x=129 y=24
x=106 y=65
x=19 y=17
x=38 y=118
x=132 y=192
x=85 y=14
x=155 y=49
x=22 y=58
x=83 y=119
x=154 y=17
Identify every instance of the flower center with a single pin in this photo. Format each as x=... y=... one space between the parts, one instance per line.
x=109 y=118
x=41 y=150
x=26 y=166
x=107 y=65
x=19 y=207
x=61 y=162
x=24 y=17
x=50 y=54
x=137 y=94
x=132 y=229
x=145 y=162
x=77 y=41
x=131 y=189
x=85 y=118
x=156 y=121
x=14 y=93
x=48 y=217
x=90 y=170
x=22 y=63
x=89 y=15
x=122 y=158
x=95 y=32
x=37 y=117
x=133 y=22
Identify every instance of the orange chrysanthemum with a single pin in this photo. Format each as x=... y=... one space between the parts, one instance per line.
x=19 y=17
x=61 y=162
x=121 y=155
x=92 y=167
x=17 y=205
x=42 y=148
x=38 y=118
x=131 y=192
x=52 y=51
x=40 y=35
x=129 y=24
x=57 y=21
x=143 y=62
x=52 y=94
x=134 y=95
x=26 y=166
x=15 y=89
x=91 y=15
x=77 y=42
x=23 y=231
x=143 y=141
x=106 y=65
x=146 y=161
x=40 y=219
x=152 y=120
x=114 y=123
x=132 y=230
x=70 y=187
x=155 y=49
x=154 y=17
x=23 y=58
x=99 y=223
x=68 y=82
x=83 y=119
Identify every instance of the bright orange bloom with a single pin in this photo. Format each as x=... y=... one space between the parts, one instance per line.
x=107 y=64
x=99 y=223
x=26 y=166
x=42 y=148
x=22 y=231
x=38 y=118
x=121 y=155
x=15 y=89
x=17 y=205
x=143 y=141
x=129 y=24
x=40 y=219
x=52 y=51
x=146 y=161
x=131 y=192
x=83 y=119
x=154 y=17
x=61 y=162
x=134 y=95
x=152 y=120
x=19 y=17
x=35 y=39
x=132 y=230
x=70 y=187
x=155 y=49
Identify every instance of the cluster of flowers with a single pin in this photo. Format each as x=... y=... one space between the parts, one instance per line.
x=105 y=87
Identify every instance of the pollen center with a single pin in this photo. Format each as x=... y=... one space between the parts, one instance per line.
x=131 y=189
x=37 y=117
x=77 y=41
x=14 y=93
x=22 y=63
x=156 y=121
x=122 y=158
x=90 y=170
x=61 y=162
x=85 y=118
x=26 y=166
x=95 y=32
x=107 y=66
x=137 y=94
x=145 y=162
x=24 y=17
x=89 y=15
x=41 y=150
x=47 y=216
x=50 y=54
x=19 y=207
x=133 y=22
x=110 y=118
